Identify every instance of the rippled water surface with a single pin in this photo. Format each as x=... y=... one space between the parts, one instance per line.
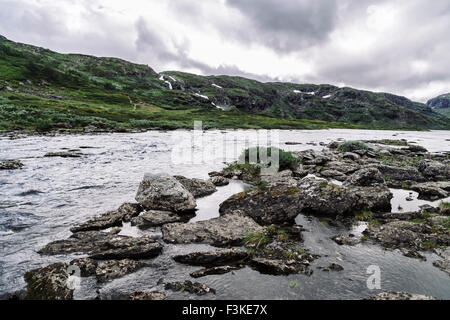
x=40 y=202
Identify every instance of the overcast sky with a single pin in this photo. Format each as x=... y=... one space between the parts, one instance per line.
x=398 y=46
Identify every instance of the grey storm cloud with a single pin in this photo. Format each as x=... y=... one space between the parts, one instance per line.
x=411 y=57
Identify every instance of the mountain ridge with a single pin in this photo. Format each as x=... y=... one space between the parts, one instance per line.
x=112 y=92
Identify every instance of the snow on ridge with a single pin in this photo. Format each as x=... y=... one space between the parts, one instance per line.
x=327 y=96
x=218 y=107
x=311 y=93
x=201 y=96
x=217 y=86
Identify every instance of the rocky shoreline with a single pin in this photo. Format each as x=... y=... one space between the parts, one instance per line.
x=348 y=182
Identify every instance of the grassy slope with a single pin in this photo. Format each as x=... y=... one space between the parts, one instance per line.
x=41 y=89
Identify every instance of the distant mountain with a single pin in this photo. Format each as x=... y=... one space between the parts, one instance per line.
x=441 y=104
x=41 y=89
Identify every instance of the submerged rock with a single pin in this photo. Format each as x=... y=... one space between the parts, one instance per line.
x=64 y=154
x=230 y=229
x=10 y=165
x=111 y=218
x=157 y=218
x=391 y=295
x=212 y=258
x=215 y=270
x=163 y=192
x=198 y=187
x=278 y=266
x=102 y=245
x=49 y=283
x=197 y=288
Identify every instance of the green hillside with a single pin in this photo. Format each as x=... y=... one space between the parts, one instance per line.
x=44 y=90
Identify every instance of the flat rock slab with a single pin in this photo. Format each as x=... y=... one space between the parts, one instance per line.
x=111 y=219
x=212 y=258
x=49 y=283
x=114 y=269
x=103 y=246
x=214 y=270
x=230 y=229
x=164 y=192
x=157 y=218
x=142 y=295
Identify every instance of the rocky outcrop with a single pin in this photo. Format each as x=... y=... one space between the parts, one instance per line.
x=391 y=295
x=278 y=267
x=434 y=170
x=215 y=270
x=49 y=283
x=213 y=258
x=230 y=229
x=157 y=218
x=163 y=192
x=10 y=165
x=102 y=245
x=114 y=269
x=111 y=218
x=367 y=177
x=396 y=176
x=198 y=187
x=283 y=203
x=410 y=235
x=87 y=266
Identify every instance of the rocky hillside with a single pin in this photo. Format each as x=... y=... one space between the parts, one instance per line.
x=441 y=104
x=41 y=89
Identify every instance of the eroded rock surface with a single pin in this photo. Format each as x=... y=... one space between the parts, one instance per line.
x=157 y=218
x=198 y=187
x=49 y=283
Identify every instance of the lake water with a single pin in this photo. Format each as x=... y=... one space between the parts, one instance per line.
x=40 y=202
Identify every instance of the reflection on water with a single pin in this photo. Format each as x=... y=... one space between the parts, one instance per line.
x=39 y=204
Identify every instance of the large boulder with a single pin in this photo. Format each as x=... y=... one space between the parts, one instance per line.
x=198 y=187
x=222 y=231
x=367 y=177
x=432 y=190
x=163 y=192
x=49 y=283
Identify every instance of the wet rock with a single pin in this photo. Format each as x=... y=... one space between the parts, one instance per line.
x=212 y=258
x=198 y=187
x=215 y=270
x=49 y=283
x=197 y=288
x=142 y=295
x=432 y=190
x=333 y=267
x=230 y=229
x=278 y=267
x=276 y=204
x=433 y=170
x=345 y=167
x=102 y=245
x=406 y=234
x=411 y=253
x=10 y=165
x=87 y=266
x=345 y=240
x=110 y=270
x=391 y=295
x=157 y=218
x=64 y=154
x=416 y=149
x=220 y=181
x=333 y=174
x=111 y=218
x=280 y=178
x=366 y=178
x=444 y=265
x=163 y=192
x=281 y=204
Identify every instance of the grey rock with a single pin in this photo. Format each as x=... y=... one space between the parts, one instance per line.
x=433 y=170
x=214 y=270
x=278 y=266
x=198 y=187
x=157 y=218
x=163 y=192
x=432 y=190
x=142 y=295
x=197 y=288
x=87 y=266
x=351 y=155
x=114 y=269
x=49 y=283
x=220 y=181
x=391 y=295
x=10 y=165
x=64 y=154
x=367 y=177
x=230 y=229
